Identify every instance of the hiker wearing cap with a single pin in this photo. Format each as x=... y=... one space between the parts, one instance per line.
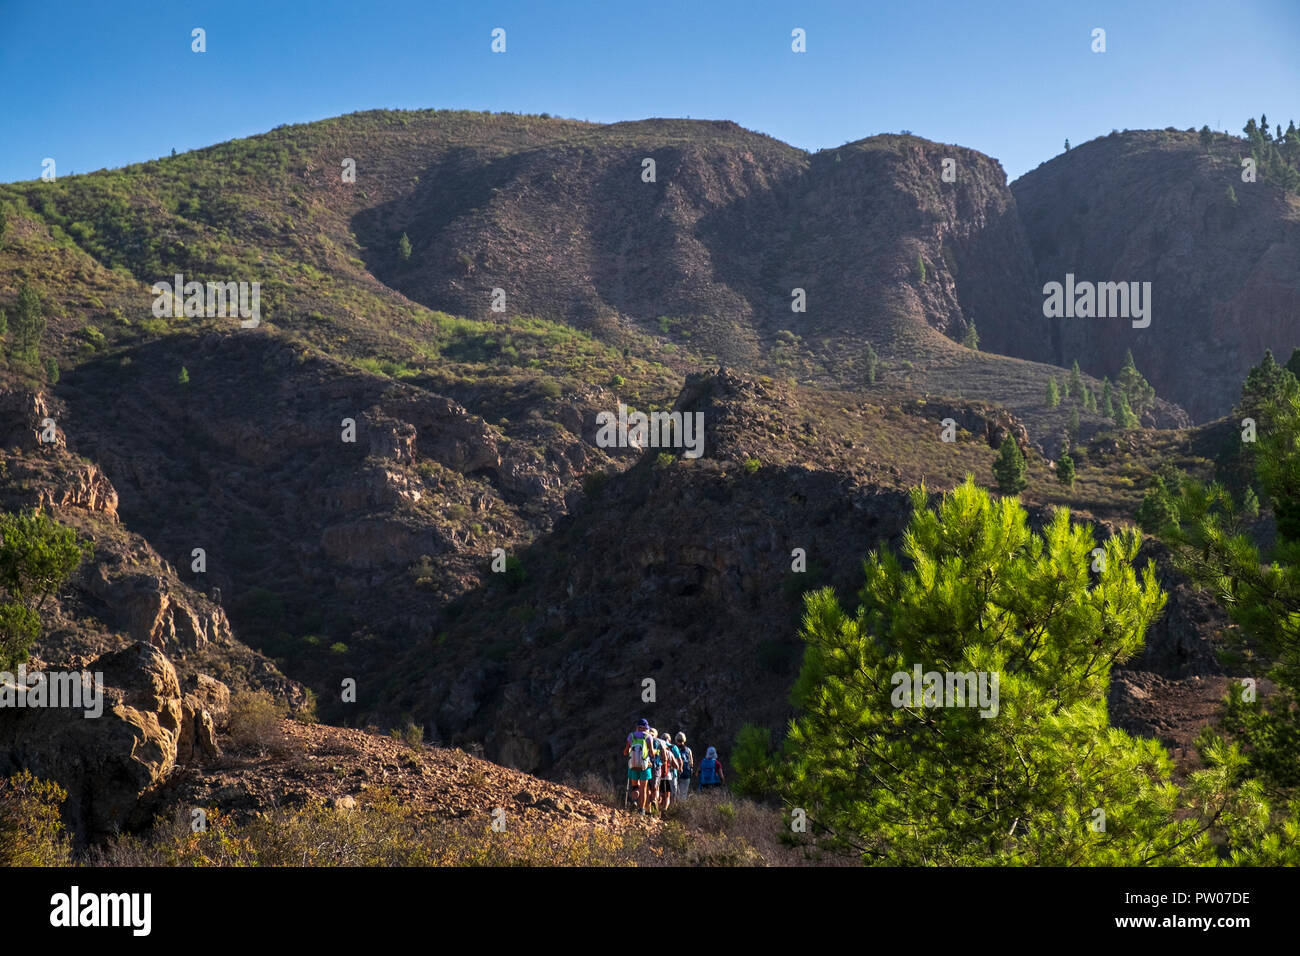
x=688 y=767
x=711 y=770
x=672 y=763
x=639 y=761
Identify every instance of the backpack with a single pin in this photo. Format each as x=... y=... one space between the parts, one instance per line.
x=637 y=759
x=657 y=748
x=708 y=771
x=677 y=758
x=688 y=761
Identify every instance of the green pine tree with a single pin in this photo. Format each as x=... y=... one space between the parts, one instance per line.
x=1053 y=394
x=1250 y=504
x=28 y=325
x=1259 y=739
x=1141 y=396
x=928 y=781
x=920 y=267
x=1107 y=399
x=873 y=360
x=1157 y=510
x=972 y=338
x=1124 y=416
x=1266 y=384
x=1065 y=470
x=1009 y=468
x=37 y=556
x=1292 y=364
x=1075 y=388
x=1074 y=424
x=184 y=378
x=404 y=248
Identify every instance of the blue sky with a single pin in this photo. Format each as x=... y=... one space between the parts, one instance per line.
x=102 y=84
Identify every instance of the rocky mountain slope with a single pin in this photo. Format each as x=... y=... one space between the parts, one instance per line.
x=394 y=485
x=1222 y=257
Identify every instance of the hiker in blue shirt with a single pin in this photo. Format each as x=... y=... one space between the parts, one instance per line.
x=711 y=774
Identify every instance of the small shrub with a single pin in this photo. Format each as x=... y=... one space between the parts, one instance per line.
x=31 y=830
x=514 y=573
x=254 y=720
x=752 y=767
x=412 y=734
x=726 y=814
x=306 y=714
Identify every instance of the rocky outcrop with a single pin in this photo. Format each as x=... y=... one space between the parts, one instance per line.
x=432 y=426
x=209 y=694
x=198 y=734
x=85 y=486
x=990 y=423
x=152 y=612
x=25 y=416
x=109 y=764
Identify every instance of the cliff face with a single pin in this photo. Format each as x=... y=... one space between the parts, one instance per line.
x=731 y=225
x=1155 y=207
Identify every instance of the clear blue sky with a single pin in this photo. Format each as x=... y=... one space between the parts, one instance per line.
x=103 y=83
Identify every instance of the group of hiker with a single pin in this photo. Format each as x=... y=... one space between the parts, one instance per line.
x=661 y=767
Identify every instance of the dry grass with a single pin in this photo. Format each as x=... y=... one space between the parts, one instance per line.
x=385 y=832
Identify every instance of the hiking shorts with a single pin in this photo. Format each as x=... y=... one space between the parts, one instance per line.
x=666 y=783
x=638 y=774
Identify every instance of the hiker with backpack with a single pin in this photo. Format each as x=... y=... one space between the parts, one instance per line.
x=688 y=767
x=711 y=774
x=637 y=749
x=672 y=764
x=657 y=760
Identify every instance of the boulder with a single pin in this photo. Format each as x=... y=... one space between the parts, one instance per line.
x=109 y=765
x=211 y=694
x=198 y=734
